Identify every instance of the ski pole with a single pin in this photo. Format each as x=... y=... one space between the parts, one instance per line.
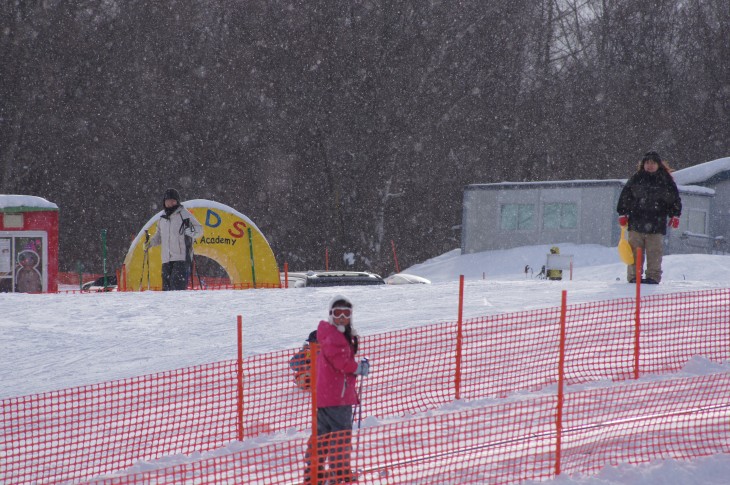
x=359 y=408
x=141 y=274
x=144 y=261
x=360 y=397
x=147 y=257
x=195 y=271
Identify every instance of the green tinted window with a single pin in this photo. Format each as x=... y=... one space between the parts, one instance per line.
x=516 y=217
x=697 y=222
x=551 y=216
x=560 y=216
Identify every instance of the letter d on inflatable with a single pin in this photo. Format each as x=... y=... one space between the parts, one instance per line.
x=211 y=216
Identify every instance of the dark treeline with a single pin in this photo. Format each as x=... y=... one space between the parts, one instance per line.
x=344 y=124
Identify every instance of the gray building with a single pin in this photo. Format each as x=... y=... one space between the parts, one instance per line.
x=512 y=214
x=714 y=175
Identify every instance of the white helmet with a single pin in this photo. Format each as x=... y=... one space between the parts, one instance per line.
x=341 y=300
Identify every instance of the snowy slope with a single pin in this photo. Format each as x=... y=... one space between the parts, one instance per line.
x=50 y=342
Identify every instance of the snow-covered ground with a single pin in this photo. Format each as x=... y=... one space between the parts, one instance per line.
x=50 y=342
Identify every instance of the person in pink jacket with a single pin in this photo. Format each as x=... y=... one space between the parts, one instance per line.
x=337 y=372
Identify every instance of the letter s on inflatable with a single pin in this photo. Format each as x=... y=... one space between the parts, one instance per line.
x=225 y=240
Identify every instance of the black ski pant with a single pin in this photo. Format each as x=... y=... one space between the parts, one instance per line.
x=174 y=275
x=334 y=447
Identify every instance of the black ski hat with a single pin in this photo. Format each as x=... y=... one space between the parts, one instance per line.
x=312 y=336
x=171 y=194
x=652 y=156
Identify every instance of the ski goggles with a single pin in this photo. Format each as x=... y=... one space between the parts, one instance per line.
x=338 y=312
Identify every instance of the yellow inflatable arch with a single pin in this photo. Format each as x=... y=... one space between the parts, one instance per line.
x=229 y=238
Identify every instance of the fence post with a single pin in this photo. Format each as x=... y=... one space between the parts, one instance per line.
x=80 y=271
x=239 y=372
x=637 y=316
x=314 y=452
x=286 y=275
x=395 y=257
x=459 y=335
x=103 y=257
x=253 y=263
x=561 y=383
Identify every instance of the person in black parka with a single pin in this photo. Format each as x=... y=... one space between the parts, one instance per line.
x=648 y=203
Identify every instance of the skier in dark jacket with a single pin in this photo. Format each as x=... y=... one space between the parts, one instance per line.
x=647 y=201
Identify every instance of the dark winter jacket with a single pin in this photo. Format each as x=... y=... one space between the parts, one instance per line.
x=649 y=199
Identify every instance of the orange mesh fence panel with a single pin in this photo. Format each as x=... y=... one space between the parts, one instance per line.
x=676 y=327
x=505 y=443
x=410 y=371
x=678 y=418
x=202 y=283
x=502 y=443
x=73 y=278
x=81 y=432
x=600 y=341
x=505 y=353
x=272 y=400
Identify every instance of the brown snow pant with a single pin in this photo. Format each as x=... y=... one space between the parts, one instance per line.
x=652 y=249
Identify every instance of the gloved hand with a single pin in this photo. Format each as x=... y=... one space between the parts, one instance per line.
x=363 y=368
x=623 y=220
x=674 y=222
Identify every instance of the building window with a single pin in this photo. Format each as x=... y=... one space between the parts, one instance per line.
x=23 y=267
x=697 y=222
x=560 y=216
x=13 y=221
x=516 y=217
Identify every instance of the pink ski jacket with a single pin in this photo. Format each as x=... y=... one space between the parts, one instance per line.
x=335 y=368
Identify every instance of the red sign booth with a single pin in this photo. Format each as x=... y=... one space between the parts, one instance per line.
x=28 y=244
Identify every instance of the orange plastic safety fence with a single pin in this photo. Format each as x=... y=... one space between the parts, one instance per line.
x=519 y=351
x=204 y=283
x=677 y=418
x=505 y=353
x=82 y=432
x=505 y=443
x=73 y=278
x=85 y=431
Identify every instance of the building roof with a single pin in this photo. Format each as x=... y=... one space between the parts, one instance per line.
x=25 y=203
x=546 y=184
x=704 y=173
x=685 y=189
